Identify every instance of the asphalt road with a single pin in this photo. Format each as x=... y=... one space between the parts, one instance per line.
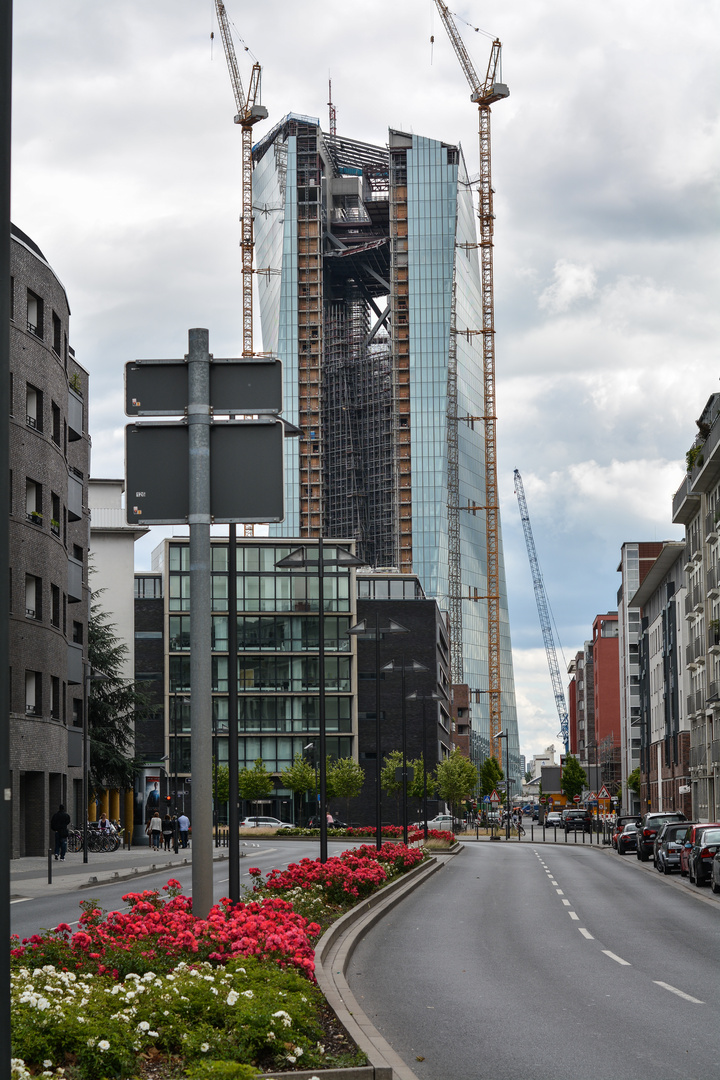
x=525 y=960
x=31 y=914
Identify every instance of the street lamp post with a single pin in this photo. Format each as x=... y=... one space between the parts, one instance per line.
x=504 y=735
x=414 y=665
x=311 y=746
x=361 y=630
x=296 y=560
x=423 y=698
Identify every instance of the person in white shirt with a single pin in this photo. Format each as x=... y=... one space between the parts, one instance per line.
x=184 y=829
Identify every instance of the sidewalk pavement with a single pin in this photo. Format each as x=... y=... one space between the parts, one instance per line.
x=29 y=876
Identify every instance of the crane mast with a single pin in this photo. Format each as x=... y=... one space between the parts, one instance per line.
x=484 y=94
x=544 y=613
x=248 y=113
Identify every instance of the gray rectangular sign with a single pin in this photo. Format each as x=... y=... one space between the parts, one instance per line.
x=246 y=472
x=251 y=386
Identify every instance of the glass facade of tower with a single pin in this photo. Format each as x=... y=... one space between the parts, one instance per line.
x=430 y=218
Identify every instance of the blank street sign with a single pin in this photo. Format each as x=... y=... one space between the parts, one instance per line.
x=246 y=386
x=246 y=472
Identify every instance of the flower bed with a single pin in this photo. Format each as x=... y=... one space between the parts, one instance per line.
x=155 y=984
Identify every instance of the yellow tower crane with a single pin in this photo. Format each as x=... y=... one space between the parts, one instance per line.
x=485 y=93
x=249 y=111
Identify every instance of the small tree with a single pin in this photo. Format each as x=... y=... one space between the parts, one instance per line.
x=255 y=783
x=393 y=786
x=346 y=779
x=490 y=775
x=574 y=778
x=221 y=783
x=633 y=781
x=113 y=705
x=299 y=777
x=457 y=778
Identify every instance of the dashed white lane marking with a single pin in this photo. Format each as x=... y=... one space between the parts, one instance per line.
x=574 y=916
x=566 y=903
x=559 y=892
x=680 y=993
x=617 y=959
x=21 y=899
x=586 y=933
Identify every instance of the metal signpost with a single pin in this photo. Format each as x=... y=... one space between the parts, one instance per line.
x=200 y=472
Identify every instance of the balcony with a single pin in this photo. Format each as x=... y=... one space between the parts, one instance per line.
x=711 y=582
x=711 y=526
x=690 y=703
x=686 y=504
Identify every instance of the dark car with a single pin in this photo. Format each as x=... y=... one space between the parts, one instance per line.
x=702 y=853
x=336 y=823
x=577 y=819
x=627 y=840
x=715 y=873
x=668 y=845
x=691 y=839
x=620 y=822
x=648 y=830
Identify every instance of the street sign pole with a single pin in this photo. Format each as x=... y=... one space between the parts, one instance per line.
x=200 y=619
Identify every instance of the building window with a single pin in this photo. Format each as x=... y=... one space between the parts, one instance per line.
x=33 y=502
x=55 y=434
x=77 y=712
x=33 y=597
x=54 y=697
x=77 y=635
x=33 y=693
x=179 y=626
x=54 y=513
x=34 y=313
x=34 y=407
x=57 y=334
x=55 y=605
x=148 y=588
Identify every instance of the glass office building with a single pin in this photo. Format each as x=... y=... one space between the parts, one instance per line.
x=367 y=240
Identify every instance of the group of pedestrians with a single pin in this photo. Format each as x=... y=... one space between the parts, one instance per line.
x=168 y=830
x=171 y=831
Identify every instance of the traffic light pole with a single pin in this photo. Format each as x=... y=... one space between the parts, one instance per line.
x=200 y=620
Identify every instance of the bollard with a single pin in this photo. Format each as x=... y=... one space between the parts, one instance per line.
x=50 y=862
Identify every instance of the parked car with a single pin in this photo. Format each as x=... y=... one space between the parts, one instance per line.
x=336 y=823
x=715 y=873
x=628 y=838
x=702 y=853
x=577 y=819
x=690 y=840
x=441 y=822
x=265 y=823
x=668 y=845
x=648 y=830
x=620 y=822
x=553 y=820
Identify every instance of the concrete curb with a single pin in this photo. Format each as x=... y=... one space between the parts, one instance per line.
x=333 y=955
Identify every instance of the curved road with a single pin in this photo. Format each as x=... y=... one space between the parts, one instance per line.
x=525 y=960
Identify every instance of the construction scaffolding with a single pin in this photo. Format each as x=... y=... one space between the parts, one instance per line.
x=357 y=409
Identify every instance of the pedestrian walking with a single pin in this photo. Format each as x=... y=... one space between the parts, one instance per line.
x=154 y=830
x=59 y=823
x=184 y=829
x=169 y=826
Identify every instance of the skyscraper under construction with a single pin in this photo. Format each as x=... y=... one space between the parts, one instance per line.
x=375 y=246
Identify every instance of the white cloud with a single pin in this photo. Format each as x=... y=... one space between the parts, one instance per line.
x=572 y=282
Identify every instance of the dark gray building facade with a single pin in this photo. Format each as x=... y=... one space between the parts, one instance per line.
x=49 y=536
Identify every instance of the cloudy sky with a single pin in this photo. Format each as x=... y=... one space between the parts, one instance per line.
x=605 y=156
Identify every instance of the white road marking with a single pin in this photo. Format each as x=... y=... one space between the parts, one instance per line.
x=586 y=933
x=566 y=903
x=553 y=882
x=574 y=916
x=680 y=993
x=617 y=959
x=559 y=892
x=21 y=899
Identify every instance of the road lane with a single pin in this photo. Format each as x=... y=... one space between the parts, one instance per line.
x=485 y=972
x=35 y=913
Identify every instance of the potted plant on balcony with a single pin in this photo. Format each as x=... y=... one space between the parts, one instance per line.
x=36 y=517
